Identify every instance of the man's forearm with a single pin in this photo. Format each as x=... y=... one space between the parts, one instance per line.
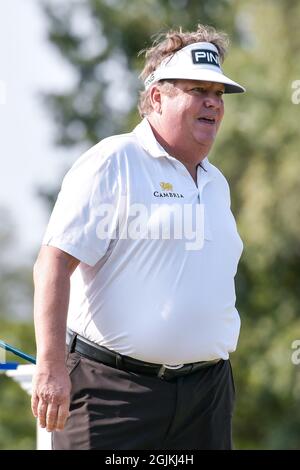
x=51 y=384
x=51 y=300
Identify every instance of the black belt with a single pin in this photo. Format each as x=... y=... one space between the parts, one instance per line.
x=111 y=358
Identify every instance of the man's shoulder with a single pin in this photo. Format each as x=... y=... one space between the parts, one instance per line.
x=108 y=150
x=117 y=142
x=216 y=172
x=219 y=176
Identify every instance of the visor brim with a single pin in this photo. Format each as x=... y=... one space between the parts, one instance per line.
x=202 y=75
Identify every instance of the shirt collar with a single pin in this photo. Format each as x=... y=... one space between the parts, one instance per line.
x=205 y=164
x=149 y=143
x=147 y=140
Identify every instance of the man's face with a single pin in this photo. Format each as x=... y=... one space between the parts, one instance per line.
x=193 y=113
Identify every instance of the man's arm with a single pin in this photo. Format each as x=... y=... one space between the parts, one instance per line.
x=51 y=384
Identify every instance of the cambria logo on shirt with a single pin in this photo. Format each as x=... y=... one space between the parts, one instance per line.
x=166 y=186
x=167 y=191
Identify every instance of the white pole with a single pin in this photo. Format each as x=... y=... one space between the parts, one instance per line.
x=23 y=375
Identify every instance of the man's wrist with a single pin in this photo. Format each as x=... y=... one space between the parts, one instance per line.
x=51 y=359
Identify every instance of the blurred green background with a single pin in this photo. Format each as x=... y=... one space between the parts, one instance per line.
x=258 y=151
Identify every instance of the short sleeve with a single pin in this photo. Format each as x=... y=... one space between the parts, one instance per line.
x=85 y=215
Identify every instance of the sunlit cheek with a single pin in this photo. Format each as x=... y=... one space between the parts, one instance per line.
x=222 y=109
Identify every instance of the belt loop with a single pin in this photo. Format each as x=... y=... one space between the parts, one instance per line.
x=161 y=372
x=119 y=361
x=72 y=342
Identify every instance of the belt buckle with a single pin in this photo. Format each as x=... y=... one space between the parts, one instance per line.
x=164 y=367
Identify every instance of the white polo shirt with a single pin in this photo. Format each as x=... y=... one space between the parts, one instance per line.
x=147 y=285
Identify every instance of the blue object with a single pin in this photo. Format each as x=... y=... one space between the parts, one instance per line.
x=17 y=352
x=9 y=366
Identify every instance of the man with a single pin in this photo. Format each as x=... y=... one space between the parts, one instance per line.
x=142 y=231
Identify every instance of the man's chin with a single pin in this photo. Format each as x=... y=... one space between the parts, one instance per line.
x=205 y=140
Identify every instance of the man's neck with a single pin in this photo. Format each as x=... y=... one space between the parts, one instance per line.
x=186 y=157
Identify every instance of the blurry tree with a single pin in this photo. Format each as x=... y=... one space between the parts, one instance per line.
x=15 y=278
x=257 y=149
x=17 y=425
x=259 y=153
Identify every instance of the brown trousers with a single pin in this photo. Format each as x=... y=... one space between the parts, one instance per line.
x=113 y=409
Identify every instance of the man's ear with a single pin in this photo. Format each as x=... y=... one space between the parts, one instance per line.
x=155 y=98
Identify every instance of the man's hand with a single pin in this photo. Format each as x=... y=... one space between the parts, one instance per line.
x=51 y=396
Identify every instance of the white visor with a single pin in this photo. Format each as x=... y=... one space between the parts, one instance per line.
x=198 y=61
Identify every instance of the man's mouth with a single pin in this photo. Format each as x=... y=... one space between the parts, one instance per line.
x=207 y=120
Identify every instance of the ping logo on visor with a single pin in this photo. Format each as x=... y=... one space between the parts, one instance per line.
x=149 y=80
x=205 y=56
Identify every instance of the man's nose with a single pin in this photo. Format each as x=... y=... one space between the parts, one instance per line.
x=212 y=101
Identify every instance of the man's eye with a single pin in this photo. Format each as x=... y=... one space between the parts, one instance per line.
x=220 y=93
x=198 y=89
